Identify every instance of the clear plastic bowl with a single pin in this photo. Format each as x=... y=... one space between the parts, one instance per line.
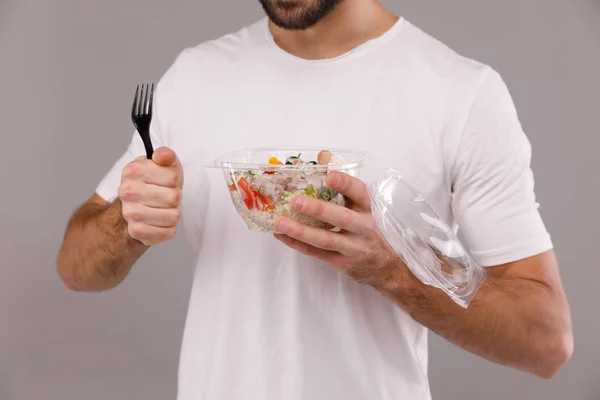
x=262 y=181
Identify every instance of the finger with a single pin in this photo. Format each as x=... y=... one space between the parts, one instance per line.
x=150 y=235
x=326 y=256
x=353 y=188
x=149 y=195
x=319 y=238
x=158 y=217
x=336 y=215
x=147 y=171
x=165 y=157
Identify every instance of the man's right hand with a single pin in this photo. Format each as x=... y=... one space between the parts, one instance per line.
x=150 y=195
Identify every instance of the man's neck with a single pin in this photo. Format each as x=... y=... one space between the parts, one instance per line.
x=352 y=23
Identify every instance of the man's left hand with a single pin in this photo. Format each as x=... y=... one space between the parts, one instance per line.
x=358 y=250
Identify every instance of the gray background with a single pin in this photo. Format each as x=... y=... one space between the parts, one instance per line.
x=67 y=73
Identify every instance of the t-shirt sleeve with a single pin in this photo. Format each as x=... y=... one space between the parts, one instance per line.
x=494 y=202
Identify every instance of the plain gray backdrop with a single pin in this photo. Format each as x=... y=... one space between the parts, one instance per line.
x=68 y=69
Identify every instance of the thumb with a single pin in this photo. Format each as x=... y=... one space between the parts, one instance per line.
x=165 y=157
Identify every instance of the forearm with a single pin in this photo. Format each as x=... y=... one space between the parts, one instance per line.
x=97 y=252
x=513 y=322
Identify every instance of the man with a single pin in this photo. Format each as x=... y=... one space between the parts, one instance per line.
x=317 y=314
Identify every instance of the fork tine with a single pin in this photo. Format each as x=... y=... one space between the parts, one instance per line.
x=146 y=99
x=141 y=101
x=141 y=115
x=151 y=99
x=135 y=101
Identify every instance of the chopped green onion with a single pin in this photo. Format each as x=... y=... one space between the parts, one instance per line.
x=326 y=194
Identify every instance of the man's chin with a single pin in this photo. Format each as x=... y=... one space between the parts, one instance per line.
x=291 y=25
x=293 y=19
x=297 y=15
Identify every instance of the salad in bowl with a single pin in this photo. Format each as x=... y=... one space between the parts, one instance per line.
x=263 y=181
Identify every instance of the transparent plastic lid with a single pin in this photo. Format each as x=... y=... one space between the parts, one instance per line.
x=257 y=158
x=421 y=237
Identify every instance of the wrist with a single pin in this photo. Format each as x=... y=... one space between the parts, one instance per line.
x=393 y=280
x=399 y=284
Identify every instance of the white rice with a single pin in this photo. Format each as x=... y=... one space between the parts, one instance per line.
x=264 y=221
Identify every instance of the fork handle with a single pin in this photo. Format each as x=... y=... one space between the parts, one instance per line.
x=148 y=146
x=147 y=143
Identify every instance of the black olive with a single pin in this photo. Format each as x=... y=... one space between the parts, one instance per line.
x=312 y=162
x=288 y=163
x=290 y=160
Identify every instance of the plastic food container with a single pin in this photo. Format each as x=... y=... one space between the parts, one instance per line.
x=421 y=237
x=263 y=181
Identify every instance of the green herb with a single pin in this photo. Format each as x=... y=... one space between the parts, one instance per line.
x=261 y=190
x=326 y=194
x=310 y=190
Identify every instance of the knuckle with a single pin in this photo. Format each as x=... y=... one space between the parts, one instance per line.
x=127 y=191
x=131 y=213
x=295 y=231
x=126 y=211
x=136 y=231
x=135 y=215
x=132 y=170
x=329 y=241
x=170 y=233
x=341 y=180
x=299 y=232
x=372 y=230
x=176 y=215
x=172 y=178
x=344 y=181
x=125 y=207
x=348 y=217
x=173 y=198
x=318 y=208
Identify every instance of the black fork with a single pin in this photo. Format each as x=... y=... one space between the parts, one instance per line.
x=141 y=114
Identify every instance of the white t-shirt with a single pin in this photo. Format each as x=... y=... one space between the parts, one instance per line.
x=265 y=322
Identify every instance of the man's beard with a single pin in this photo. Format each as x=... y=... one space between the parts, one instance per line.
x=297 y=14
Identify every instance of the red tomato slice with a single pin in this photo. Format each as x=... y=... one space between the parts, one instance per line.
x=248 y=192
x=266 y=204
x=253 y=199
